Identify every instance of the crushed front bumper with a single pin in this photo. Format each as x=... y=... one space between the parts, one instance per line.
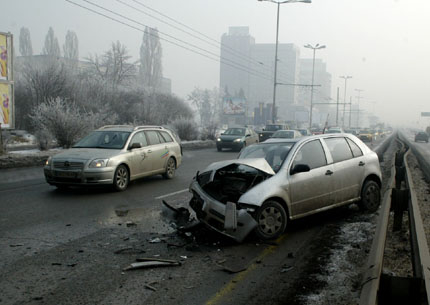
x=218 y=216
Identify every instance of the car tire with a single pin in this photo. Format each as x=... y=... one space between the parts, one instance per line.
x=121 y=178
x=271 y=220
x=218 y=148
x=170 y=169
x=370 y=196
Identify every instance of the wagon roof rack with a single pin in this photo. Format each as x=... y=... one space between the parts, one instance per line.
x=116 y=126
x=147 y=126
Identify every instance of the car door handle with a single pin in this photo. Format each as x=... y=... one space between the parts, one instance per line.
x=329 y=173
x=149 y=151
x=361 y=163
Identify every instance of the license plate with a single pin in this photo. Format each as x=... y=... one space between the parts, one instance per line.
x=65 y=174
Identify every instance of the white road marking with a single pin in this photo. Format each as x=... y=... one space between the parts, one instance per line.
x=171 y=194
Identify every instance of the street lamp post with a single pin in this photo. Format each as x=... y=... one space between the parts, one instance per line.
x=344 y=98
x=359 y=97
x=276 y=50
x=317 y=47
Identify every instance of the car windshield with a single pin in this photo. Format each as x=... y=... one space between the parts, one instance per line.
x=273 y=127
x=287 y=134
x=104 y=139
x=274 y=153
x=235 y=131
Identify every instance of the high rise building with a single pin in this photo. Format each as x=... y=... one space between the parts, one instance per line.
x=248 y=68
x=322 y=90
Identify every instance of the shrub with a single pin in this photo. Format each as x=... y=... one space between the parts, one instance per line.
x=186 y=129
x=64 y=121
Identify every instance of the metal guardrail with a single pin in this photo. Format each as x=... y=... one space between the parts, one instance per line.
x=380 y=288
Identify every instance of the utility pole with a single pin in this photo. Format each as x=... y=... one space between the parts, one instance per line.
x=359 y=97
x=344 y=98
x=337 y=107
x=276 y=51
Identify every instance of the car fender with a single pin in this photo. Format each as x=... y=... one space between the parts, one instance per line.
x=274 y=187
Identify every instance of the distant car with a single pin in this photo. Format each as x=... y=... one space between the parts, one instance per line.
x=335 y=130
x=236 y=138
x=269 y=130
x=366 y=135
x=286 y=134
x=422 y=136
x=115 y=155
x=304 y=131
x=274 y=182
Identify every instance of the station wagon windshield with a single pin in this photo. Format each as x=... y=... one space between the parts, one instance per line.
x=104 y=139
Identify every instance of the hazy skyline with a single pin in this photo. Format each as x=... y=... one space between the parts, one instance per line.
x=381 y=44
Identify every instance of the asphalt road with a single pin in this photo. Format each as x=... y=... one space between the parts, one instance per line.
x=70 y=247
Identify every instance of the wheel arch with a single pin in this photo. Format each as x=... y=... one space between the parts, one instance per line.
x=282 y=203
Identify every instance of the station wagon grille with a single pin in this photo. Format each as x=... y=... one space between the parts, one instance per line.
x=68 y=165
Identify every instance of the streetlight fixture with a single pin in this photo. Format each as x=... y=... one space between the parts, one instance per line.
x=317 y=47
x=344 y=98
x=276 y=50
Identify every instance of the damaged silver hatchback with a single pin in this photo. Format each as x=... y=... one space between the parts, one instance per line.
x=280 y=180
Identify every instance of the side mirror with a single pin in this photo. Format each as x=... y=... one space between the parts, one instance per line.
x=135 y=145
x=300 y=168
x=248 y=135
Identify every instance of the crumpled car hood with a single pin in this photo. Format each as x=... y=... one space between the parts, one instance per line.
x=257 y=163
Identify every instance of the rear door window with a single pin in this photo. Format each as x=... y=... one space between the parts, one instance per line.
x=339 y=149
x=152 y=136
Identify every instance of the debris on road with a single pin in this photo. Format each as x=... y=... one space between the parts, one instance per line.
x=155 y=240
x=150 y=287
x=150 y=259
x=129 y=250
x=286 y=268
x=16 y=245
x=130 y=224
x=151 y=263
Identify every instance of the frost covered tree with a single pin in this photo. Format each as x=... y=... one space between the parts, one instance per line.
x=25 y=47
x=66 y=122
x=51 y=46
x=150 y=71
x=207 y=103
x=71 y=46
x=113 y=67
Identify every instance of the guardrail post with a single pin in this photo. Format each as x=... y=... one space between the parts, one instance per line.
x=399 y=202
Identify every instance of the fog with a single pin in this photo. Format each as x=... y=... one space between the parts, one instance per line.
x=382 y=44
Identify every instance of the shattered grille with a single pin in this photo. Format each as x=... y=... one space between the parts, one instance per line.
x=65 y=165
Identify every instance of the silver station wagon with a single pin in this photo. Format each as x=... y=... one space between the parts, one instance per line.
x=284 y=179
x=115 y=155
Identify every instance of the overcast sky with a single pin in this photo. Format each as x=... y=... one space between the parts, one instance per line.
x=382 y=44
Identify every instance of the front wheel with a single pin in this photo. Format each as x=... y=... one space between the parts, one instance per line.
x=271 y=220
x=170 y=169
x=370 y=196
x=121 y=178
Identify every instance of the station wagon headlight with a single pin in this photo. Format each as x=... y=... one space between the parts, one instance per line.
x=98 y=163
x=48 y=162
x=237 y=140
x=219 y=139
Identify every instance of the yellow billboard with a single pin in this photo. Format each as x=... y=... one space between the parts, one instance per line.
x=3 y=57
x=5 y=105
